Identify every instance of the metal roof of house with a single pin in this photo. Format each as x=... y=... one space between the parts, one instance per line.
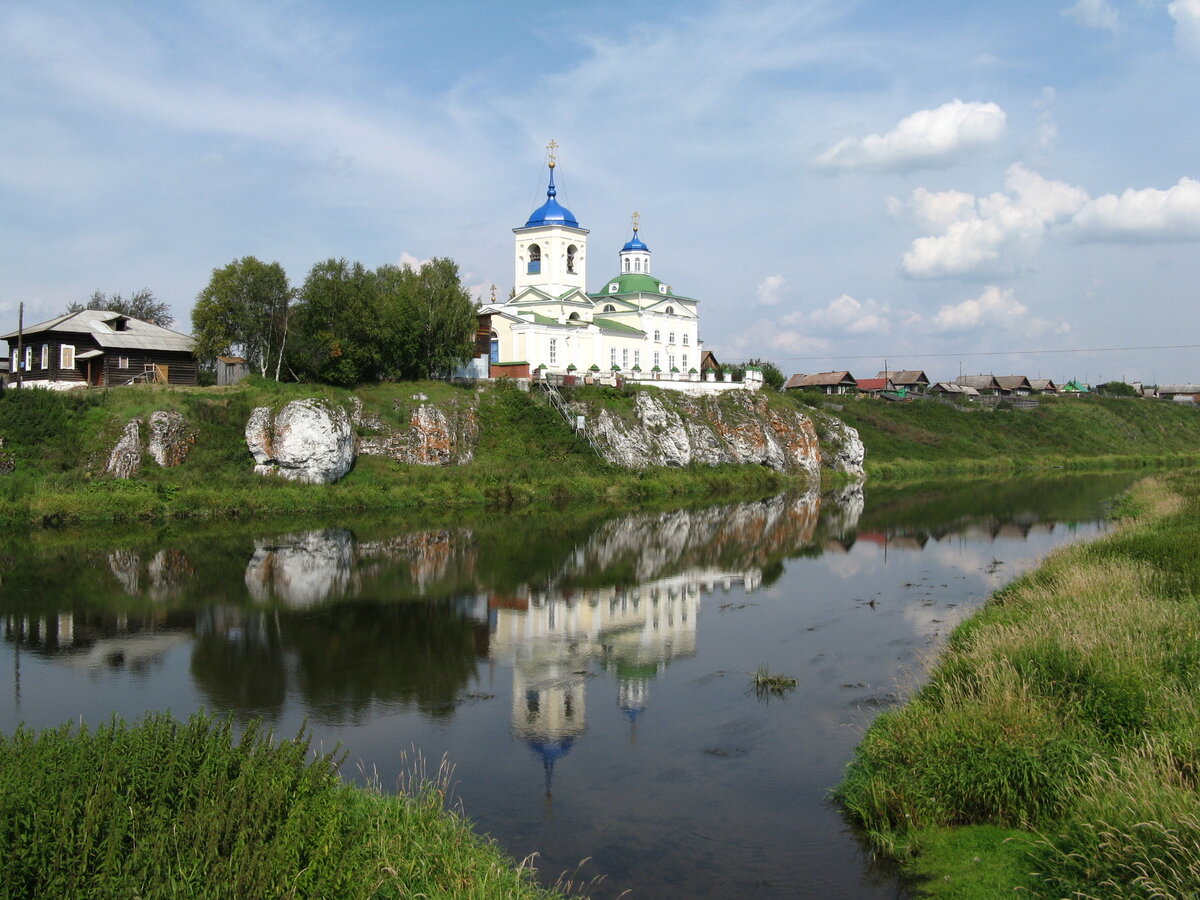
x=99 y=323
x=1179 y=389
x=1043 y=384
x=820 y=379
x=874 y=384
x=949 y=387
x=1012 y=382
x=979 y=382
x=906 y=376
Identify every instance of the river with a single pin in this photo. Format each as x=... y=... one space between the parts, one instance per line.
x=589 y=677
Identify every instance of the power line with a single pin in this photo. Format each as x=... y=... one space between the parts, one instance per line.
x=992 y=353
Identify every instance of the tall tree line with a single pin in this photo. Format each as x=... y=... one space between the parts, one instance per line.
x=345 y=325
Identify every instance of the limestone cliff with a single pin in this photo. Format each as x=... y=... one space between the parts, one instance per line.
x=740 y=427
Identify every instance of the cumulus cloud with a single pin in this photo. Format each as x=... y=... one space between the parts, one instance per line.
x=770 y=290
x=994 y=309
x=1186 y=14
x=929 y=138
x=1094 y=14
x=988 y=236
x=846 y=315
x=1142 y=215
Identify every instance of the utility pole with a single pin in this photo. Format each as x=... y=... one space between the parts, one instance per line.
x=20 y=343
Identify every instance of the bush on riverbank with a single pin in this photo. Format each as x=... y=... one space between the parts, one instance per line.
x=928 y=439
x=1056 y=746
x=165 y=809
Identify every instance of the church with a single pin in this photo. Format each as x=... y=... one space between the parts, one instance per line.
x=635 y=325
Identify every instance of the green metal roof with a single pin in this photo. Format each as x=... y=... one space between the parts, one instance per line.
x=635 y=283
x=612 y=325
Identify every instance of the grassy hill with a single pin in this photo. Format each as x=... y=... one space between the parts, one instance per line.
x=55 y=445
x=922 y=439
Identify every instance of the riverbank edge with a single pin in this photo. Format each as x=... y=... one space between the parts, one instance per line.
x=165 y=808
x=372 y=490
x=1055 y=747
x=378 y=487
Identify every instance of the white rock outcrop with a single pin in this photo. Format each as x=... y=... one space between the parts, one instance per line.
x=125 y=458
x=306 y=440
x=737 y=427
x=171 y=437
x=435 y=436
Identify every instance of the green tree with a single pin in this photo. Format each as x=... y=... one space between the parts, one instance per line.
x=244 y=309
x=429 y=317
x=142 y=304
x=337 y=330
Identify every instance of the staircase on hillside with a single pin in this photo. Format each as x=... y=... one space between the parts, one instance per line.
x=577 y=423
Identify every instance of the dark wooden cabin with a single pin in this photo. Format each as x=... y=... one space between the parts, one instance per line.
x=100 y=348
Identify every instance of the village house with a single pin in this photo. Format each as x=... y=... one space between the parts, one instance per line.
x=1014 y=385
x=1043 y=386
x=911 y=380
x=99 y=348
x=984 y=384
x=823 y=382
x=874 y=387
x=952 y=390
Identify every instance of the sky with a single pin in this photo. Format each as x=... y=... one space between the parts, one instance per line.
x=1005 y=188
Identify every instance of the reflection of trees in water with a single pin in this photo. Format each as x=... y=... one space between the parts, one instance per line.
x=238 y=662
x=342 y=661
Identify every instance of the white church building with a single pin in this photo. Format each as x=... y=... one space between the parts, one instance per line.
x=634 y=326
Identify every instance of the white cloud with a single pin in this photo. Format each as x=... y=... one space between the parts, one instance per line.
x=846 y=315
x=942 y=209
x=929 y=138
x=408 y=261
x=1047 y=130
x=992 y=235
x=993 y=307
x=1145 y=215
x=770 y=290
x=1186 y=14
x=1094 y=14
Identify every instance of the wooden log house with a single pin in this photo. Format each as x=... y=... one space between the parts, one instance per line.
x=99 y=348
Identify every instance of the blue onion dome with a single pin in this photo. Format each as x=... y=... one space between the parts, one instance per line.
x=552 y=212
x=635 y=243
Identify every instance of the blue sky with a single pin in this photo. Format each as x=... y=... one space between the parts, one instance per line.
x=947 y=186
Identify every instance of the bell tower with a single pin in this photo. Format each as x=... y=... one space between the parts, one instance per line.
x=550 y=250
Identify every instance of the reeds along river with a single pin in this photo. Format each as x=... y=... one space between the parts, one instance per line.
x=590 y=678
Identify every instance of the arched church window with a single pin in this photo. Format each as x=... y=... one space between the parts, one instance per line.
x=670 y=310
x=608 y=307
x=494 y=349
x=573 y=317
x=535 y=260
x=637 y=265
x=571 y=251
x=627 y=264
x=671 y=338
x=657 y=335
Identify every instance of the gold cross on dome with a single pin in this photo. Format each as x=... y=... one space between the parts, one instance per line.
x=552 y=152
x=637 y=218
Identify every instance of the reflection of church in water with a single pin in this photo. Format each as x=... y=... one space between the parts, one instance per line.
x=551 y=639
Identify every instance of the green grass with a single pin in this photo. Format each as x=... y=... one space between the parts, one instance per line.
x=1063 y=720
x=526 y=456
x=927 y=439
x=164 y=809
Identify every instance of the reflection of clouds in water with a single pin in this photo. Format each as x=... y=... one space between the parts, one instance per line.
x=302 y=569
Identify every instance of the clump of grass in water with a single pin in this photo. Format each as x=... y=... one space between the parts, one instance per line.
x=771 y=684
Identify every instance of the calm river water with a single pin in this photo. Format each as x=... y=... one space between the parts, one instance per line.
x=589 y=677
